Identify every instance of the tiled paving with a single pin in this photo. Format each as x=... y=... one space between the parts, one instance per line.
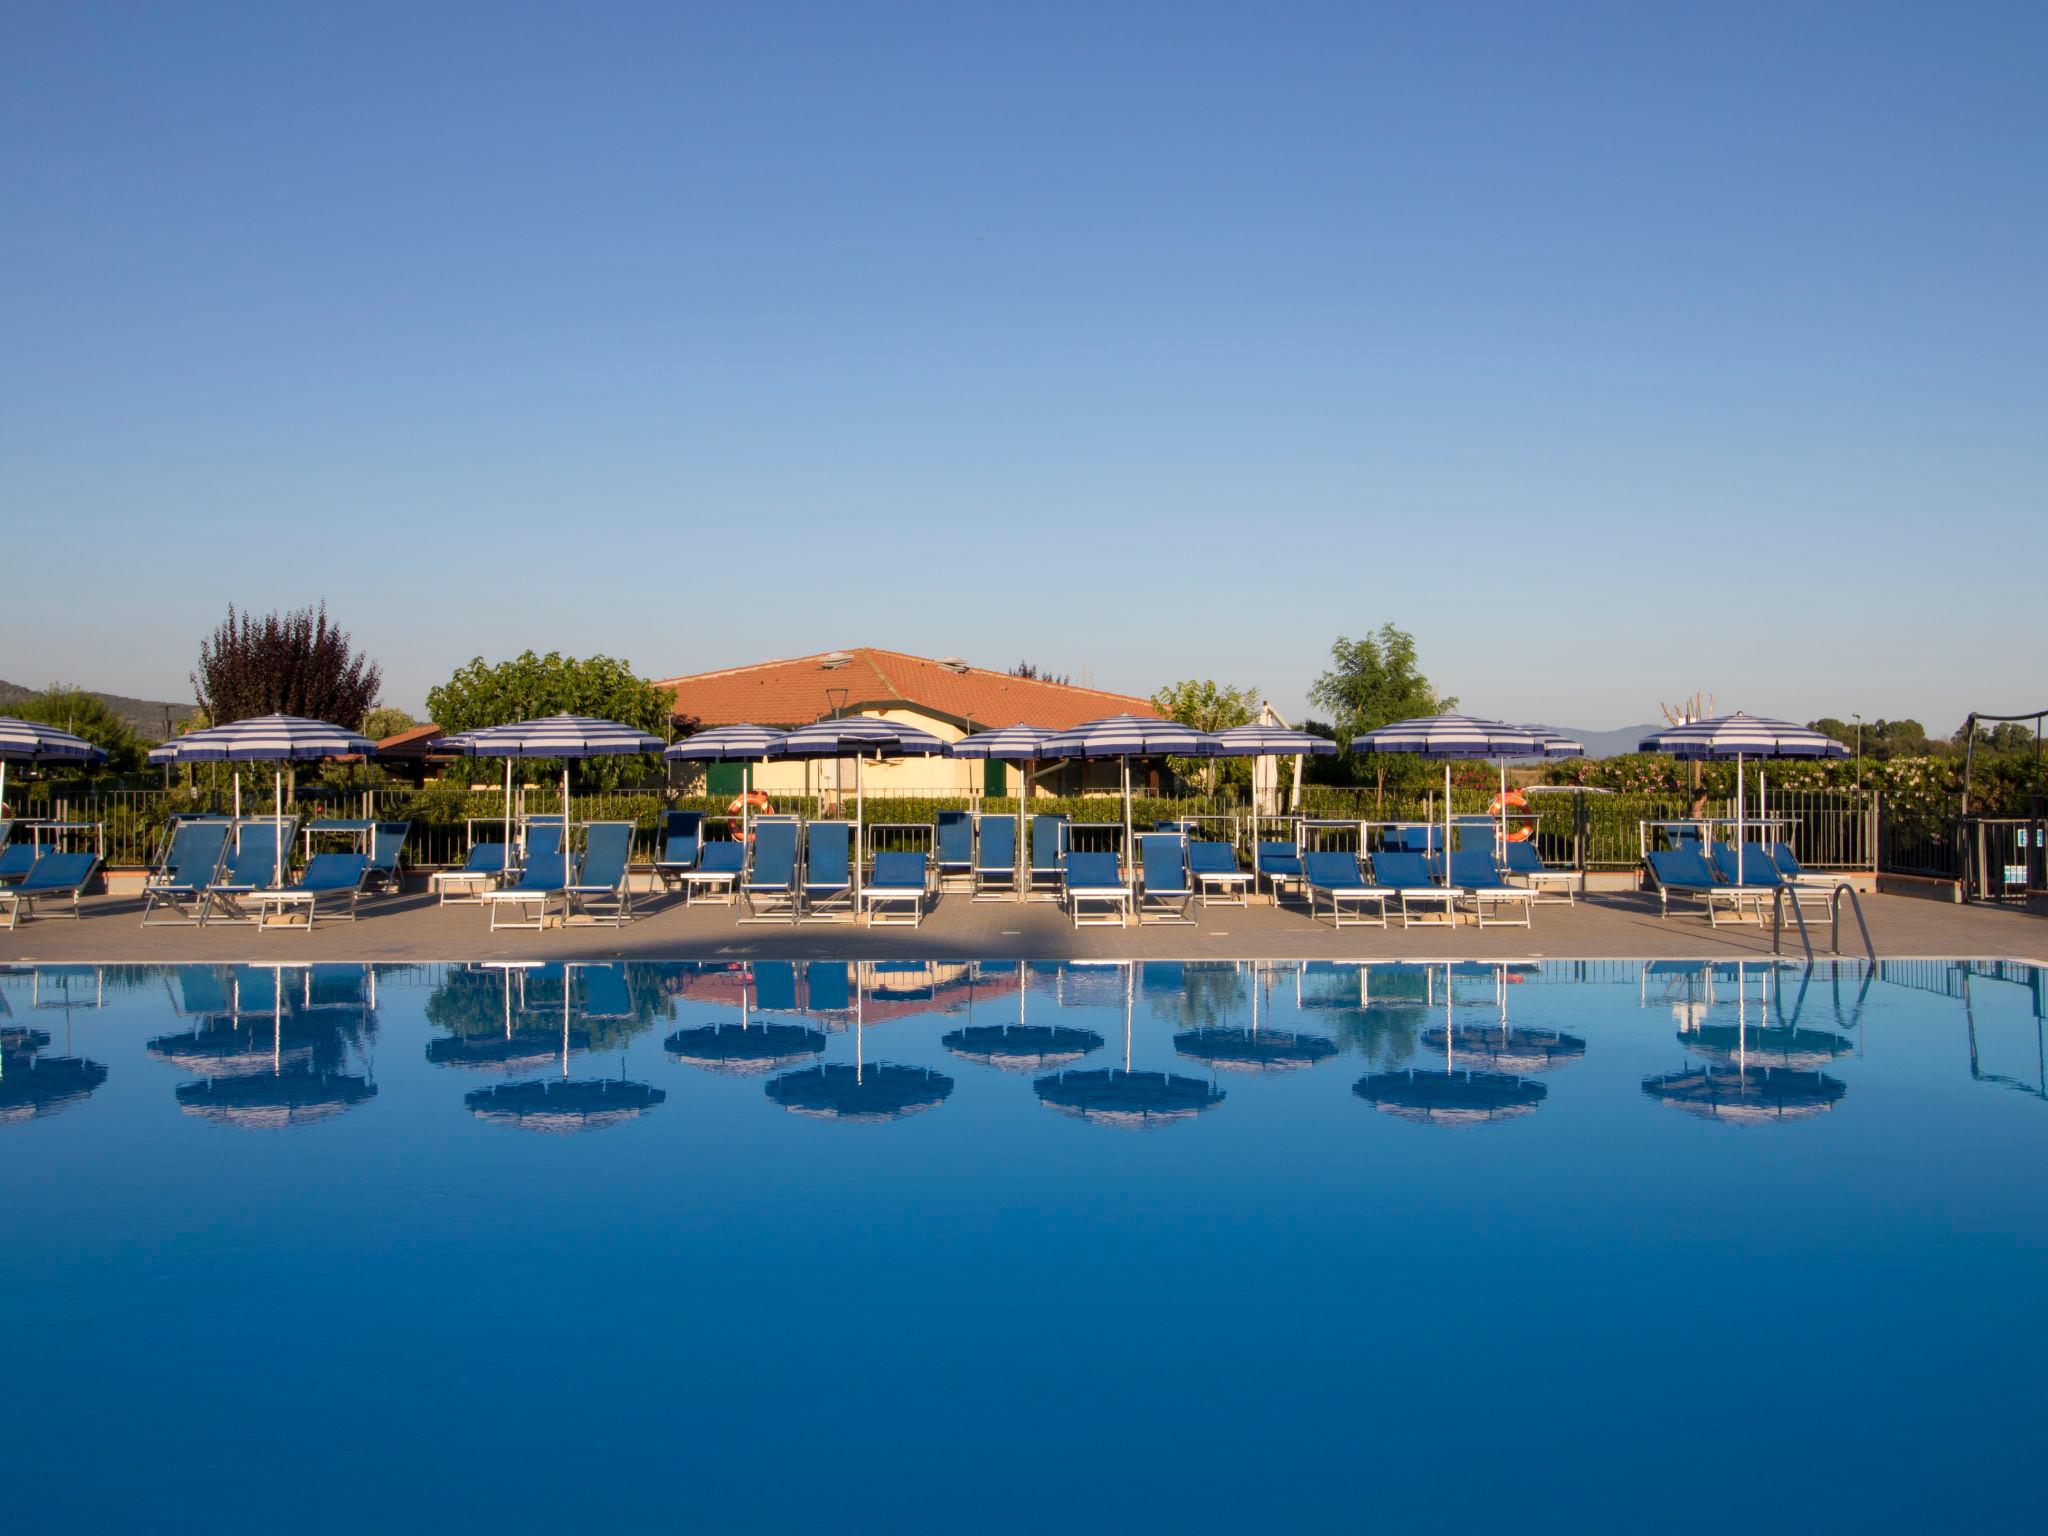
x=412 y=928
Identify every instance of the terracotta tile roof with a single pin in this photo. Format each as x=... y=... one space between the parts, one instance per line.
x=800 y=690
x=411 y=742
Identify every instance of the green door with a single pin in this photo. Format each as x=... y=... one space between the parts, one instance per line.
x=995 y=777
x=724 y=778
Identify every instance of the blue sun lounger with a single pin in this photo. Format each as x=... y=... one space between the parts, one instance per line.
x=329 y=880
x=1526 y=864
x=16 y=860
x=600 y=892
x=718 y=869
x=1279 y=865
x=1167 y=894
x=1096 y=880
x=995 y=860
x=769 y=888
x=1760 y=872
x=1424 y=903
x=1046 y=877
x=541 y=835
x=528 y=897
x=1479 y=880
x=898 y=885
x=682 y=843
x=387 y=843
x=1337 y=878
x=953 y=837
x=828 y=872
x=1803 y=885
x=1217 y=877
x=252 y=866
x=54 y=877
x=190 y=866
x=1684 y=872
x=465 y=886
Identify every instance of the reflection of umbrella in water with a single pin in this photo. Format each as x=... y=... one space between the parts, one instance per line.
x=32 y=1084
x=1449 y=1097
x=276 y=1094
x=564 y=1104
x=1119 y=1096
x=513 y=1048
x=1504 y=1047
x=859 y=1093
x=241 y=1029
x=1254 y=1049
x=1744 y=1090
x=1022 y=1047
x=746 y=1048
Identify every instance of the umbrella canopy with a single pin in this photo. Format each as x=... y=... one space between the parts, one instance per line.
x=1738 y=736
x=30 y=741
x=266 y=739
x=1011 y=744
x=564 y=736
x=1450 y=738
x=1022 y=1047
x=1766 y=1046
x=1449 y=1098
x=862 y=1095
x=561 y=1106
x=33 y=1085
x=858 y=737
x=265 y=1101
x=1507 y=1048
x=1255 y=1050
x=1752 y=1097
x=1261 y=739
x=744 y=1050
x=743 y=743
x=1125 y=737
x=1134 y=1100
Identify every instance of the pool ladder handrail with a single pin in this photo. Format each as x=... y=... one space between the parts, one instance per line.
x=1834 y=921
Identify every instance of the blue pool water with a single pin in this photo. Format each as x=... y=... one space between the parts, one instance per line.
x=969 y=1247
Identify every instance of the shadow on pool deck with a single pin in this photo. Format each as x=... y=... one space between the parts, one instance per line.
x=412 y=927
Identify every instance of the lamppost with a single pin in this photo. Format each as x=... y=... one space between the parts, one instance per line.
x=1859 y=748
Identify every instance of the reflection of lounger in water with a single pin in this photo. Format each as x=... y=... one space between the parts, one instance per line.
x=1450 y=1098
x=1117 y=1097
x=563 y=1105
x=1022 y=1047
x=1255 y=1050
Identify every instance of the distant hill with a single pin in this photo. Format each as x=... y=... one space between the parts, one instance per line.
x=144 y=716
x=1608 y=743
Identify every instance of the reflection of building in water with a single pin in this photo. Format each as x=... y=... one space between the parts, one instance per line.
x=273 y=1042
x=33 y=1084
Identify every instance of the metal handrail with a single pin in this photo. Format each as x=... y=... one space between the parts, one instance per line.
x=1834 y=922
x=1835 y=919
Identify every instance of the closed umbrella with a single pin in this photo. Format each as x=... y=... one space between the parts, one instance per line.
x=1125 y=737
x=30 y=741
x=857 y=737
x=1740 y=736
x=742 y=744
x=564 y=736
x=1450 y=738
x=1020 y=744
x=277 y=739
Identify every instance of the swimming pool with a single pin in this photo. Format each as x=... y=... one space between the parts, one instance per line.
x=978 y=1246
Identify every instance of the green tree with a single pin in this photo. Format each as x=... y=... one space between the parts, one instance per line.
x=1374 y=681
x=294 y=663
x=1207 y=705
x=85 y=714
x=385 y=721
x=529 y=687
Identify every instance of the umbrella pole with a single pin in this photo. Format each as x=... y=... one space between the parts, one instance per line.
x=508 y=816
x=1447 y=843
x=1738 y=821
x=277 y=829
x=859 y=828
x=568 y=974
x=565 y=899
x=1023 y=853
x=1128 y=849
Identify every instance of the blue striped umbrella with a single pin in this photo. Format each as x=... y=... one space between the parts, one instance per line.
x=1021 y=744
x=565 y=736
x=1260 y=739
x=30 y=741
x=1126 y=737
x=1450 y=738
x=1738 y=736
x=744 y=744
x=265 y=739
x=858 y=737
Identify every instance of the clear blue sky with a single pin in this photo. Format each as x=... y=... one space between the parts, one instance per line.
x=1615 y=350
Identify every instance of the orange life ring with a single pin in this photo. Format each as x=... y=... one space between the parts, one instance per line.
x=1516 y=800
x=758 y=800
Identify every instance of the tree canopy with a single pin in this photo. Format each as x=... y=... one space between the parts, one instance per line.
x=1207 y=705
x=531 y=686
x=1374 y=681
x=295 y=663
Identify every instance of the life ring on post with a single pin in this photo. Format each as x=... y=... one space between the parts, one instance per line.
x=1513 y=799
x=755 y=800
